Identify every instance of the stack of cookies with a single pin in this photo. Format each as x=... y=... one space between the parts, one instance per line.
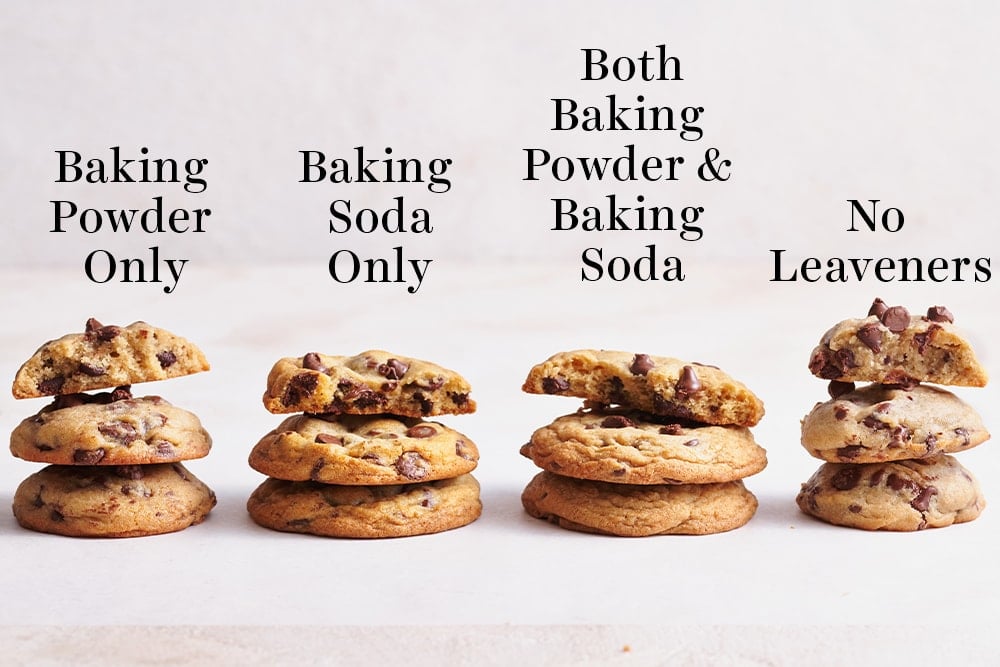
x=887 y=443
x=115 y=460
x=659 y=447
x=359 y=461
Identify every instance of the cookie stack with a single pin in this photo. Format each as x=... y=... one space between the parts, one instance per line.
x=660 y=446
x=359 y=461
x=887 y=443
x=115 y=460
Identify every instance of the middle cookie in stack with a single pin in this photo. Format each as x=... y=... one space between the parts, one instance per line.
x=660 y=446
x=359 y=461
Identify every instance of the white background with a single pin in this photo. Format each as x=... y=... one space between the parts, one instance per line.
x=814 y=104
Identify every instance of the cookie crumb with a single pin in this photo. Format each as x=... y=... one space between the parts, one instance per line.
x=626 y=649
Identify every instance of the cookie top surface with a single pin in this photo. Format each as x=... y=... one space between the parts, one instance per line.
x=366 y=511
x=636 y=511
x=363 y=449
x=658 y=385
x=885 y=423
x=110 y=429
x=112 y=501
x=372 y=382
x=898 y=496
x=891 y=346
x=634 y=448
x=106 y=356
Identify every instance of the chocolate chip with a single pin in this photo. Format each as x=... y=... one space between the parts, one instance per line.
x=930 y=442
x=871 y=336
x=822 y=364
x=691 y=443
x=845 y=358
x=164 y=449
x=939 y=314
x=921 y=340
x=166 y=358
x=878 y=308
x=619 y=472
x=299 y=387
x=367 y=398
x=95 y=330
x=349 y=389
x=43 y=448
x=837 y=388
x=123 y=393
x=876 y=478
x=462 y=451
x=426 y=404
x=388 y=386
x=900 y=435
x=38 y=502
x=312 y=362
x=641 y=364
x=91 y=370
x=92 y=325
x=897 y=483
x=846 y=478
x=122 y=432
x=56 y=515
x=129 y=472
x=433 y=384
x=428 y=499
x=421 y=431
x=849 y=452
x=179 y=469
x=458 y=399
x=328 y=439
x=964 y=435
x=552 y=385
x=298 y=523
x=393 y=369
x=874 y=423
x=896 y=319
x=923 y=500
x=854 y=508
x=617 y=421
x=616 y=391
x=840 y=412
x=88 y=457
x=672 y=429
x=883 y=407
x=52 y=385
x=664 y=407
x=411 y=465
x=317 y=467
x=898 y=379
x=70 y=401
x=688 y=383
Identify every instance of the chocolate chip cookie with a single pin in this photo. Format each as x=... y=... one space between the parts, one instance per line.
x=899 y=496
x=891 y=346
x=635 y=511
x=628 y=447
x=885 y=423
x=112 y=501
x=366 y=511
x=110 y=428
x=359 y=449
x=372 y=382
x=106 y=356
x=657 y=385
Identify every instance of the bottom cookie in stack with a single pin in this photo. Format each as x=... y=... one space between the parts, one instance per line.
x=622 y=472
x=903 y=495
x=364 y=476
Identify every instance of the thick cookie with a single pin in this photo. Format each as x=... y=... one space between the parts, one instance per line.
x=883 y=423
x=366 y=511
x=903 y=495
x=659 y=385
x=110 y=429
x=109 y=501
x=372 y=382
x=104 y=357
x=358 y=449
x=634 y=448
x=892 y=347
x=635 y=511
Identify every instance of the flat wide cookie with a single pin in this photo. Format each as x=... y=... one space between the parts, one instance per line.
x=892 y=347
x=658 y=385
x=373 y=382
x=110 y=501
x=899 y=496
x=359 y=449
x=883 y=423
x=110 y=429
x=366 y=511
x=631 y=448
x=636 y=511
x=104 y=357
